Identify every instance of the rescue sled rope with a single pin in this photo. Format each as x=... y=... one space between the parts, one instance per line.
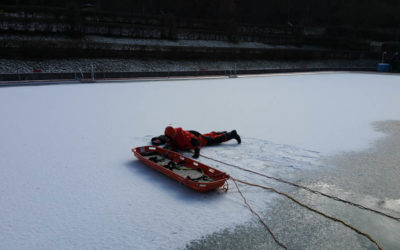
x=258 y=216
x=309 y=208
x=306 y=188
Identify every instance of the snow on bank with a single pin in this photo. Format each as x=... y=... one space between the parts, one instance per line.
x=69 y=179
x=15 y=66
x=9 y=66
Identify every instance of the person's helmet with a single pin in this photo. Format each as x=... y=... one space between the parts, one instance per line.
x=159 y=140
x=170 y=132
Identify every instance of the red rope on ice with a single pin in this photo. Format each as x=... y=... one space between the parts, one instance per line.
x=315 y=211
x=296 y=201
x=307 y=189
x=258 y=216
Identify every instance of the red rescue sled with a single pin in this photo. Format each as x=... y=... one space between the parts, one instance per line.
x=187 y=171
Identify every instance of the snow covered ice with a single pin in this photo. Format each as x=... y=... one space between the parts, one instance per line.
x=69 y=180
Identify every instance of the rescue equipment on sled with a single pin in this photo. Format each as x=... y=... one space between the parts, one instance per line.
x=185 y=170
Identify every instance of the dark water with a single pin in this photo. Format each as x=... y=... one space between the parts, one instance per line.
x=370 y=178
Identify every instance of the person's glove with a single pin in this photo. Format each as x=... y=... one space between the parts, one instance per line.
x=196 y=153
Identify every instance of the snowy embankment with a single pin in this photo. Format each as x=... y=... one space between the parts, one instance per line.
x=69 y=180
x=8 y=66
x=132 y=64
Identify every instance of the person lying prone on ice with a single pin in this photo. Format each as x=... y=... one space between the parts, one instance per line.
x=189 y=139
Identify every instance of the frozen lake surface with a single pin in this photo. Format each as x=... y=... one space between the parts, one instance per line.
x=69 y=180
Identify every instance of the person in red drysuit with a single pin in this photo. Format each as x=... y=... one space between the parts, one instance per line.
x=190 y=139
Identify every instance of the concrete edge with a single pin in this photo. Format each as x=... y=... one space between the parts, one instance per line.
x=33 y=79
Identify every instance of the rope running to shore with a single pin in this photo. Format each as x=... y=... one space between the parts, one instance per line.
x=306 y=188
x=309 y=208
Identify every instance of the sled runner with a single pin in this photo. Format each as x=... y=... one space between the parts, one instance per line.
x=191 y=173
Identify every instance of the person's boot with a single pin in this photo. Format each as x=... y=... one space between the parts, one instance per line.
x=234 y=135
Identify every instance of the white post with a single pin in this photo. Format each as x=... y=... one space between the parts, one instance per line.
x=92 y=72
x=235 y=71
x=80 y=70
